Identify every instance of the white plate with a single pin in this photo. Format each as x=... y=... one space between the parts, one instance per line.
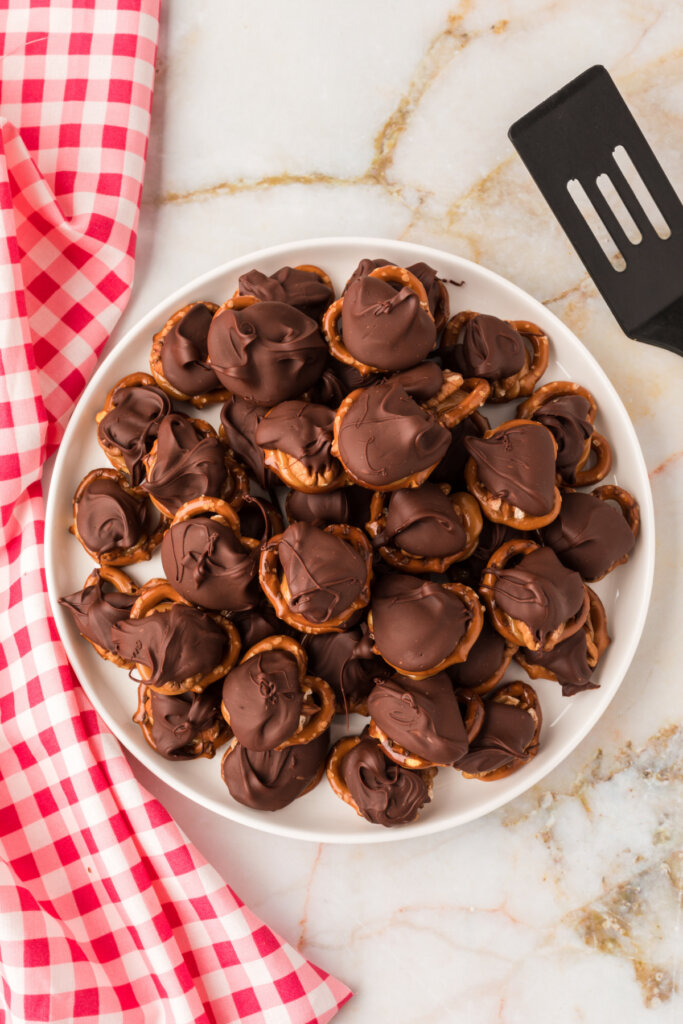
x=320 y=816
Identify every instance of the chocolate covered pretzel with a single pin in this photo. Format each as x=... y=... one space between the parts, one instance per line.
x=480 y=345
x=509 y=737
x=269 y=780
x=179 y=357
x=486 y=663
x=437 y=293
x=128 y=425
x=591 y=536
x=306 y=287
x=183 y=726
x=347 y=662
x=96 y=609
x=113 y=521
x=296 y=438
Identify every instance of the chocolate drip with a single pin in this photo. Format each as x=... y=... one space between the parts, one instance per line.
x=184 y=353
x=325 y=575
x=95 y=610
x=490 y=348
x=109 y=518
x=177 y=721
x=268 y=353
x=417 y=624
x=384 y=327
x=485 y=658
x=263 y=699
x=346 y=662
x=384 y=792
x=422 y=716
x=423 y=522
x=176 y=644
x=269 y=780
x=517 y=464
x=132 y=425
x=318 y=509
x=302 y=430
x=205 y=562
x=386 y=436
x=504 y=737
x=540 y=592
x=589 y=535
x=568 y=661
x=240 y=420
x=187 y=464
x=565 y=418
x=299 y=288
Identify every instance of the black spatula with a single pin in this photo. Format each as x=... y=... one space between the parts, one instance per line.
x=579 y=135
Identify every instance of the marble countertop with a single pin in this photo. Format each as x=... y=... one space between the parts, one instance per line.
x=274 y=122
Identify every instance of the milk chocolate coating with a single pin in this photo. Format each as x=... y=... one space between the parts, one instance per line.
x=175 y=644
x=205 y=562
x=240 y=420
x=422 y=271
x=95 y=610
x=384 y=327
x=346 y=662
x=422 y=716
x=484 y=659
x=269 y=780
x=318 y=509
x=505 y=735
x=350 y=378
x=299 y=288
x=268 y=353
x=179 y=720
x=517 y=464
x=329 y=389
x=263 y=699
x=589 y=535
x=416 y=623
x=385 y=793
x=258 y=517
x=325 y=574
x=422 y=382
x=188 y=464
x=386 y=436
x=258 y=623
x=132 y=425
x=539 y=591
x=492 y=536
x=422 y=521
x=451 y=468
x=565 y=418
x=302 y=430
x=568 y=661
x=359 y=500
x=183 y=354
x=111 y=519
x=490 y=348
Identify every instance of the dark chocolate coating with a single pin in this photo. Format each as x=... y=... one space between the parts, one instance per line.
x=258 y=623
x=111 y=519
x=539 y=591
x=417 y=624
x=568 y=661
x=95 y=610
x=205 y=562
x=422 y=716
x=484 y=659
x=188 y=464
x=565 y=418
x=422 y=521
x=183 y=354
x=258 y=517
x=346 y=662
x=492 y=536
x=268 y=353
x=302 y=430
x=240 y=420
x=385 y=328
x=386 y=436
x=330 y=389
x=269 y=780
x=300 y=288
x=178 y=720
x=505 y=736
x=451 y=468
x=517 y=464
x=490 y=348
x=324 y=573
x=422 y=382
x=589 y=535
x=132 y=425
x=175 y=644
x=318 y=509
x=263 y=699
x=385 y=793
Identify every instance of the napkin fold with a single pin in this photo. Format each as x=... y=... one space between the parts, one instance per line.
x=107 y=913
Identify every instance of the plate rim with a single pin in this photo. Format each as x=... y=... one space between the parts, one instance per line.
x=233 y=811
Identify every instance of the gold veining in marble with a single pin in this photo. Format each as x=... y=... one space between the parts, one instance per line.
x=303 y=920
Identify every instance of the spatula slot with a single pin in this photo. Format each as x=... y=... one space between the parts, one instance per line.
x=596 y=224
x=641 y=191
x=616 y=203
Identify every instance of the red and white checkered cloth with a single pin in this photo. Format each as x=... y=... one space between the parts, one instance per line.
x=107 y=914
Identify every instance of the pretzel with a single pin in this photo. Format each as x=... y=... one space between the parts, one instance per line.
x=597 y=640
x=629 y=508
x=464 y=644
x=292 y=472
x=204 y=744
x=522 y=382
x=143 y=550
x=457 y=398
x=131 y=380
x=474 y=712
x=156 y=597
x=237 y=302
x=318 y=697
x=519 y=695
x=556 y=389
x=336 y=780
x=236 y=482
x=392 y=274
x=272 y=520
x=125 y=585
x=277 y=591
x=155 y=364
x=498 y=510
x=395 y=752
x=600 y=447
x=309 y=268
x=469 y=514
x=515 y=631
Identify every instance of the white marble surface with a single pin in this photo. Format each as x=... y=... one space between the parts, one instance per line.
x=274 y=122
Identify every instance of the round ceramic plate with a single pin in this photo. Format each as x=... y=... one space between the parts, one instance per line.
x=320 y=816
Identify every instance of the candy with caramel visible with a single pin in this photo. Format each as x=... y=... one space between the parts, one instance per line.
x=568 y=661
x=384 y=792
x=302 y=430
x=483 y=661
x=205 y=562
x=422 y=716
x=132 y=425
x=324 y=574
x=386 y=328
x=184 y=353
x=424 y=522
x=188 y=463
x=504 y=738
x=111 y=518
x=517 y=464
x=269 y=780
x=263 y=699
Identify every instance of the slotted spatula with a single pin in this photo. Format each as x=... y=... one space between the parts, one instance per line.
x=579 y=135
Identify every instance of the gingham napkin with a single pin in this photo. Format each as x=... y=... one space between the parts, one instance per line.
x=106 y=912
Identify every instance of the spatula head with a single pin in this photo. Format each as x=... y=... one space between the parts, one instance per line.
x=579 y=135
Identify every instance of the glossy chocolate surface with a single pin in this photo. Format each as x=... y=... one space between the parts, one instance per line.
x=324 y=574
x=271 y=779
x=205 y=562
x=95 y=610
x=384 y=792
x=346 y=662
x=132 y=425
x=384 y=327
x=302 y=430
x=300 y=288
x=539 y=591
x=240 y=420
x=263 y=699
x=451 y=468
x=422 y=521
x=589 y=535
x=504 y=737
x=568 y=661
x=565 y=418
x=184 y=353
x=422 y=716
x=111 y=519
x=517 y=464
x=422 y=382
x=484 y=659
x=179 y=720
x=422 y=271
x=490 y=348
x=318 y=509
x=188 y=464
